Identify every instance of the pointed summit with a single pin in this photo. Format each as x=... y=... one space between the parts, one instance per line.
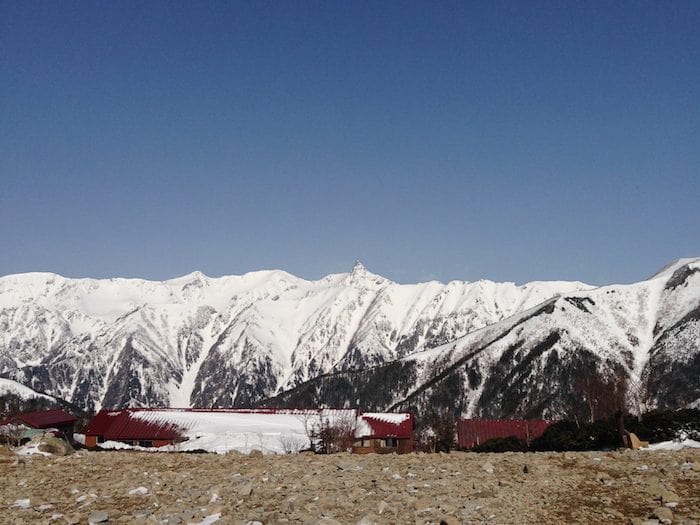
x=361 y=276
x=195 y=278
x=358 y=267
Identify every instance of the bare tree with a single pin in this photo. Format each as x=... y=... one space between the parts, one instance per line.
x=603 y=397
x=439 y=430
x=638 y=397
x=338 y=434
x=292 y=443
x=12 y=433
x=310 y=422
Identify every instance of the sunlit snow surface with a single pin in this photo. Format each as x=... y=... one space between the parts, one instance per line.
x=223 y=432
x=31 y=449
x=9 y=387
x=674 y=445
x=292 y=323
x=208 y=520
x=161 y=335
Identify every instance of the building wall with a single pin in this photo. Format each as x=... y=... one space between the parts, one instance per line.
x=67 y=431
x=473 y=432
x=379 y=446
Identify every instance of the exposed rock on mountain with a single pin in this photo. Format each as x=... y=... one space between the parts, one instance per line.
x=16 y=398
x=493 y=349
x=577 y=354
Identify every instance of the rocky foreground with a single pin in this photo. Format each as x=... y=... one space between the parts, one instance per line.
x=629 y=487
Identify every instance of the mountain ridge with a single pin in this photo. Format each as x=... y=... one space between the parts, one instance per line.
x=240 y=340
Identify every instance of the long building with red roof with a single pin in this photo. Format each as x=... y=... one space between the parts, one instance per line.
x=474 y=432
x=268 y=429
x=55 y=419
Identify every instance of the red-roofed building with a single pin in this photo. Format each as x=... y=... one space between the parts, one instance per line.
x=371 y=432
x=120 y=425
x=474 y=432
x=384 y=433
x=58 y=419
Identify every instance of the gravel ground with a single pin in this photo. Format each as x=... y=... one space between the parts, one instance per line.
x=628 y=487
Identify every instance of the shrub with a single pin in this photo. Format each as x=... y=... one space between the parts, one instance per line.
x=508 y=444
x=665 y=425
x=567 y=435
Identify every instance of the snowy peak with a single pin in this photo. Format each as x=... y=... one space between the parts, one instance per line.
x=577 y=353
x=237 y=340
x=358 y=267
x=673 y=266
x=360 y=277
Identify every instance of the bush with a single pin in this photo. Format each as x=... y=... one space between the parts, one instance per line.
x=508 y=444
x=666 y=425
x=567 y=435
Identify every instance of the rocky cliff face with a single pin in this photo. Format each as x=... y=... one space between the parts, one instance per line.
x=576 y=354
x=493 y=349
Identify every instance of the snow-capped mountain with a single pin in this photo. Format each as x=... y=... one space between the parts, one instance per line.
x=576 y=354
x=15 y=397
x=235 y=340
x=24 y=393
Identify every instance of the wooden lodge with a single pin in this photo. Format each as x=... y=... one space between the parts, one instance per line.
x=384 y=433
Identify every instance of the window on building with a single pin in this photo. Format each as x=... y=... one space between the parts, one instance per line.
x=390 y=443
x=145 y=443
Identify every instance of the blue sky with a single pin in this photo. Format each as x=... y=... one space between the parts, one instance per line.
x=430 y=140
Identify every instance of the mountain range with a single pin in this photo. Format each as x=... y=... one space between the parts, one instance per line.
x=541 y=349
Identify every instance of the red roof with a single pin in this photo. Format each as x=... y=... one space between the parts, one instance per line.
x=473 y=432
x=119 y=425
x=123 y=425
x=44 y=418
x=387 y=426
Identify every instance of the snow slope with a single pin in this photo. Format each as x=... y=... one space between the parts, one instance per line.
x=576 y=354
x=229 y=341
x=237 y=340
x=13 y=388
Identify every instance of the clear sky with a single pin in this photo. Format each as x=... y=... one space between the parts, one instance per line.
x=512 y=141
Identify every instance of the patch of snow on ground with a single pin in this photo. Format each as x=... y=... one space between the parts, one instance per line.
x=208 y=520
x=31 y=449
x=117 y=445
x=674 y=445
